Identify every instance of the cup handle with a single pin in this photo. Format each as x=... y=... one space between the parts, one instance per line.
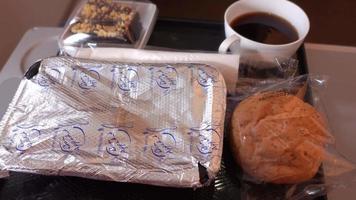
x=226 y=44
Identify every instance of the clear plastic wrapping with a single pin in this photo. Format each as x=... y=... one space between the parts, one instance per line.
x=227 y=64
x=103 y=23
x=280 y=138
x=159 y=124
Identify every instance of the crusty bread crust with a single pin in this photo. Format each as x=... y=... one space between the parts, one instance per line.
x=278 y=138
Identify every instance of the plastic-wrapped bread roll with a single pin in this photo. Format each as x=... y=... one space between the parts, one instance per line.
x=278 y=138
x=159 y=124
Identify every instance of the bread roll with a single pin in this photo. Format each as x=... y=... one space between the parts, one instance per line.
x=278 y=138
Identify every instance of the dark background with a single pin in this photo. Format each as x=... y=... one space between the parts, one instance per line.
x=332 y=21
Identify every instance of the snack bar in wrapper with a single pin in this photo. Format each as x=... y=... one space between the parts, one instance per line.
x=158 y=124
x=106 y=19
x=108 y=23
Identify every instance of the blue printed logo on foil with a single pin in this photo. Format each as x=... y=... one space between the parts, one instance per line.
x=70 y=139
x=128 y=81
x=44 y=81
x=89 y=80
x=207 y=76
x=204 y=140
x=165 y=77
x=116 y=140
x=24 y=137
x=160 y=142
x=126 y=78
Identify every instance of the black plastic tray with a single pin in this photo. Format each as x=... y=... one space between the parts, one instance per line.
x=170 y=33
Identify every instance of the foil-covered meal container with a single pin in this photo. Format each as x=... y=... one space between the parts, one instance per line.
x=158 y=124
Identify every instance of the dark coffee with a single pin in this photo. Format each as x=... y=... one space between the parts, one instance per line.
x=265 y=28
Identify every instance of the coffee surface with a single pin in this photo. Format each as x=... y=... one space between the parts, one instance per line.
x=265 y=28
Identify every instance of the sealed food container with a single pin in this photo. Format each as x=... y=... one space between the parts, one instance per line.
x=158 y=124
x=109 y=23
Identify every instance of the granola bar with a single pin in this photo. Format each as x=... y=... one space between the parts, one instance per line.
x=107 y=19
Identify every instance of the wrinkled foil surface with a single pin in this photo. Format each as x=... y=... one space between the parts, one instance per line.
x=158 y=124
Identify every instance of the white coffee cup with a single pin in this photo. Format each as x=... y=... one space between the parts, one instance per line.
x=249 y=48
